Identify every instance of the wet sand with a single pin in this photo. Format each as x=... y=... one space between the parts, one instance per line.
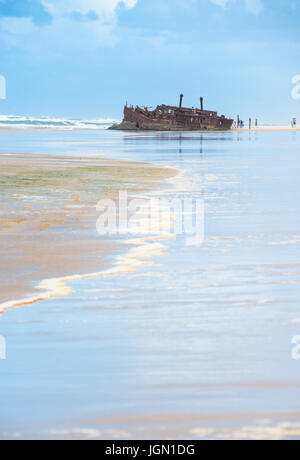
x=234 y=426
x=194 y=344
x=48 y=216
x=267 y=129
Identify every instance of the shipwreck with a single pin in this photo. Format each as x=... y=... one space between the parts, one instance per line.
x=173 y=118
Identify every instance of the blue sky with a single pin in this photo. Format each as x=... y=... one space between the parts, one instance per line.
x=85 y=58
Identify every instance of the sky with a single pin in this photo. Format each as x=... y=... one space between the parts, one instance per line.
x=86 y=58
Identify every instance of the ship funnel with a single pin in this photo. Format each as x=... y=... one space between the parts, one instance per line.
x=181 y=99
x=201 y=103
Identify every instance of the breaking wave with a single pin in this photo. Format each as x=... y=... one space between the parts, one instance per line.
x=19 y=122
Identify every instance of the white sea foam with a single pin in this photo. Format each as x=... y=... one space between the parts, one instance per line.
x=53 y=288
x=20 y=122
x=143 y=249
x=262 y=432
x=90 y=433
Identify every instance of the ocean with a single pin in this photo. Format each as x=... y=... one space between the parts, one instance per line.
x=200 y=342
x=42 y=123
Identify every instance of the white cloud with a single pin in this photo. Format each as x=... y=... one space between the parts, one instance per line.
x=222 y=3
x=54 y=40
x=64 y=31
x=252 y=6
x=105 y=9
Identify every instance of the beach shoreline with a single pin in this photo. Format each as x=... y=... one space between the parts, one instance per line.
x=267 y=129
x=40 y=257
x=109 y=126
x=149 y=336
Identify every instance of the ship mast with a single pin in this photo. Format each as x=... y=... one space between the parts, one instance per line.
x=181 y=99
x=201 y=103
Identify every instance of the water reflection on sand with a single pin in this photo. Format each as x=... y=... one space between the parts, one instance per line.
x=199 y=344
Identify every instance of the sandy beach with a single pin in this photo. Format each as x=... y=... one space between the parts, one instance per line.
x=48 y=217
x=139 y=337
x=150 y=223
x=267 y=129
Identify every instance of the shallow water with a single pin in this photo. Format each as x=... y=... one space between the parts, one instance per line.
x=201 y=341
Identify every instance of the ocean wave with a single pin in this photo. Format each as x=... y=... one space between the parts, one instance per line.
x=143 y=248
x=142 y=254
x=20 y=122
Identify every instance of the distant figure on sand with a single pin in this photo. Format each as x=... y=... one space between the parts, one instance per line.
x=294 y=123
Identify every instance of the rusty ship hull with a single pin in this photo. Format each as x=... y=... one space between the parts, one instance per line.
x=172 y=118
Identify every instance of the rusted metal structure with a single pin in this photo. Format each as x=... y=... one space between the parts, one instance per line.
x=172 y=118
